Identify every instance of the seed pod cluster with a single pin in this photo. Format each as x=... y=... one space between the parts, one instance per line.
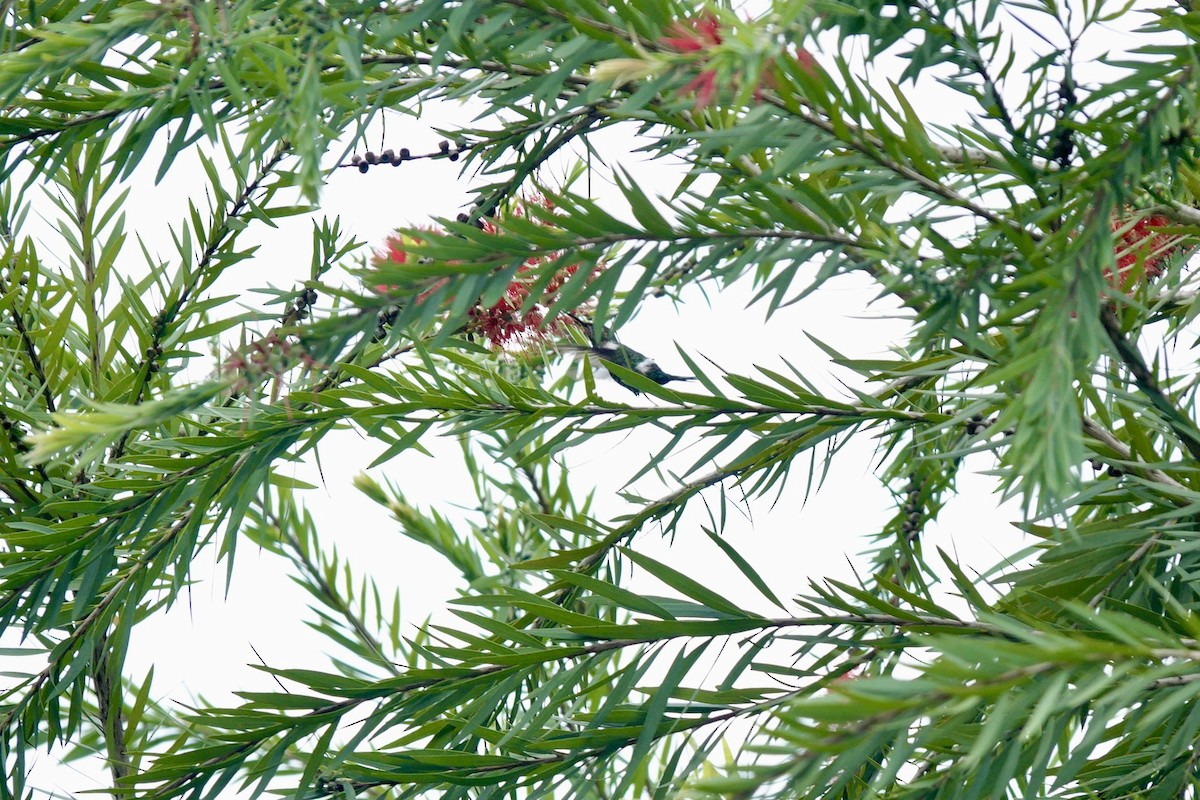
x=1111 y=470
x=913 y=513
x=446 y=149
x=152 y=354
x=16 y=434
x=301 y=306
x=383 y=321
x=977 y=424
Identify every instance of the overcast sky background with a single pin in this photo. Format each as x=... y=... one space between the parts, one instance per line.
x=203 y=645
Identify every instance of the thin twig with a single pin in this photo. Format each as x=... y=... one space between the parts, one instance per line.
x=1184 y=427
x=35 y=363
x=330 y=594
x=111 y=713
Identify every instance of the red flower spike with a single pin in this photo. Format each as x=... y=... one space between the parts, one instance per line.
x=807 y=62
x=699 y=35
x=1140 y=244
x=704 y=85
x=503 y=324
x=395 y=252
x=694 y=35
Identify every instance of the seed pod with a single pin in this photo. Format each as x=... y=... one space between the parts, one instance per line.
x=404 y=154
x=356 y=159
x=444 y=146
x=387 y=155
x=372 y=158
x=363 y=167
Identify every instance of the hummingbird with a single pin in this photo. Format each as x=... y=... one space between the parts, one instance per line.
x=609 y=351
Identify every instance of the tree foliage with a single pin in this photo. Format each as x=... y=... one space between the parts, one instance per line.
x=1036 y=240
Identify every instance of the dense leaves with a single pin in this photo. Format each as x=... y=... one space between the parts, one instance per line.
x=1028 y=206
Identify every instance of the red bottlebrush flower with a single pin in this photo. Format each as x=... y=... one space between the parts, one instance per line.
x=850 y=675
x=504 y=324
x=395 y=252
x=704 y=85
x=699 y=36
x=693 y=35
x=807 y=62
x=1138 y=245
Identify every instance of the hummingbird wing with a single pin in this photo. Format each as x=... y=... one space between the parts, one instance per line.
x=598 y=338
x=608 y=353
